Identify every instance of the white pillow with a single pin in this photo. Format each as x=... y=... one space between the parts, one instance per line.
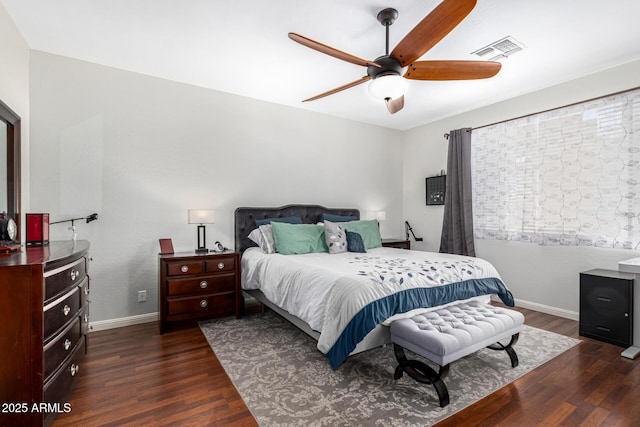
x=263 y=237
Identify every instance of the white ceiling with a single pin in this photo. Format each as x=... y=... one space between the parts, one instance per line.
x=241 y=46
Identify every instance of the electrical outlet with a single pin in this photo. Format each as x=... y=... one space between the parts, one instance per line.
x=142 y=296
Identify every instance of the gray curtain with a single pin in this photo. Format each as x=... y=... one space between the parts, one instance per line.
x=457 y=225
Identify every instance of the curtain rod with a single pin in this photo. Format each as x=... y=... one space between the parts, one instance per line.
x=446 y=135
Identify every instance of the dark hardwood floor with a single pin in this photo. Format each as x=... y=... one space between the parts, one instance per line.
x=133 y=376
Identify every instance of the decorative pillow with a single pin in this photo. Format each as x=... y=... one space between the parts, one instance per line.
x=335 y=237
x=338 y=218
x=263 y=237
x=269 y=243
x=298 y=238
x=354 y=242
x=369 y=230
x=255 y=236
x=288 y=219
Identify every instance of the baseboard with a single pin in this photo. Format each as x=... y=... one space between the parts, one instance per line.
x=560 y=312
x=102 y=325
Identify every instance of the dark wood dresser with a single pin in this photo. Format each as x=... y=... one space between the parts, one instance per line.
x=198 y=286
x=44 y=315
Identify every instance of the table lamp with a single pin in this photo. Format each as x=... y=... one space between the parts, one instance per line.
x=201 y=217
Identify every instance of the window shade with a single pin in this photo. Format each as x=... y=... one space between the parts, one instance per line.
x=568 y=176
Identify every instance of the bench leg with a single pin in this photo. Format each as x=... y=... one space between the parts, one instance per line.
x=508 y=348
x=422 y=373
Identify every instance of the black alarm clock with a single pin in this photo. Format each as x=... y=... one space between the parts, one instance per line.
x=8 y=229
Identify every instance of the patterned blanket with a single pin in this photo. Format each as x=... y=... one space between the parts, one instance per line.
x=384 y=287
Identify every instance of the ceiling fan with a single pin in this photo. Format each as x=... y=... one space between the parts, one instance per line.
x=385 y=72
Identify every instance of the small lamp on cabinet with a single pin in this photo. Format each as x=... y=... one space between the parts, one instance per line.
x=379 y=215
x=201 y=217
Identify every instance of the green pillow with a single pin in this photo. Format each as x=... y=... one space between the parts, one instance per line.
x=368 y=229
x=298 y=238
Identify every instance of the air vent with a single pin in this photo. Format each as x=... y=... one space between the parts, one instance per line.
x=503 y=48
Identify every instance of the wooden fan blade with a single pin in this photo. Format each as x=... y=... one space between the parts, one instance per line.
x=338 y=89
x=331 y=51
x=431 y=30
x=452 y=70
x=395 y=105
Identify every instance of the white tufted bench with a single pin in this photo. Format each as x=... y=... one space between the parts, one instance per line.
x=448 y=334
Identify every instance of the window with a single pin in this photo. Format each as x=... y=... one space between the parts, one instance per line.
x=569 y=176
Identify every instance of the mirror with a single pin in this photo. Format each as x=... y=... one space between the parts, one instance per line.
x=3 y=165
x=10 y=163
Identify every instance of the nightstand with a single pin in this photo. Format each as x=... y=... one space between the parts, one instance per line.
x=396 y=243
x=198 y=286
x=606 y=306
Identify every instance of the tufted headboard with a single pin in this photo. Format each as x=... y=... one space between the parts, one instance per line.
x=245 y=219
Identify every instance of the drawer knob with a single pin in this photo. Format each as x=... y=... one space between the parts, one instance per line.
x=66 y=309
x=86 y=318
x=74 y=274
x=204 y=303
x=220 y=265
x=67 y=344
x=86 y=290
x=74 y=369
x=184 y=268
x=204 y=284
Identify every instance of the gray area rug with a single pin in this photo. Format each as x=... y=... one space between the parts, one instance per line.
x=285 y=381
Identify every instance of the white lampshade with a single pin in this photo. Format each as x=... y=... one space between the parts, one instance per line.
x=379 y=215
x=201 y=216
x=388 y=86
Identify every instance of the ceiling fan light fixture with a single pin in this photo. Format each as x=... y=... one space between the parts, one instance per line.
x=388 y=86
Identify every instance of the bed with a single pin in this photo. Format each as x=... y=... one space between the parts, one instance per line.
x=347 y=300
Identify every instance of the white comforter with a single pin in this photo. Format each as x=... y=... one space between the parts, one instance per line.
x=328 y=290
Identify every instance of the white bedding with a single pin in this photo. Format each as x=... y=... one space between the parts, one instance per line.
x=327 y=290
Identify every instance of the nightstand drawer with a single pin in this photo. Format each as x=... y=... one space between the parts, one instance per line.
x=221 y=264
x=202 y=284
x=205 y=304
x=183 y=268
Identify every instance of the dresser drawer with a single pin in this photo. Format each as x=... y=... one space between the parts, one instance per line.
x=201 y=285
x=60 y=347
x=221 y=304
x=61 y=311
x=183 y=268
x=221 y=264
x=59 y=280
x=58 y=387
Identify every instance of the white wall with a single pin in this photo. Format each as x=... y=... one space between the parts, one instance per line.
x=14 y=88
x=546 y=278
x=140 y=151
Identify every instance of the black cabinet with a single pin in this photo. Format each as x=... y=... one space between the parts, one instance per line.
x=606 y=306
